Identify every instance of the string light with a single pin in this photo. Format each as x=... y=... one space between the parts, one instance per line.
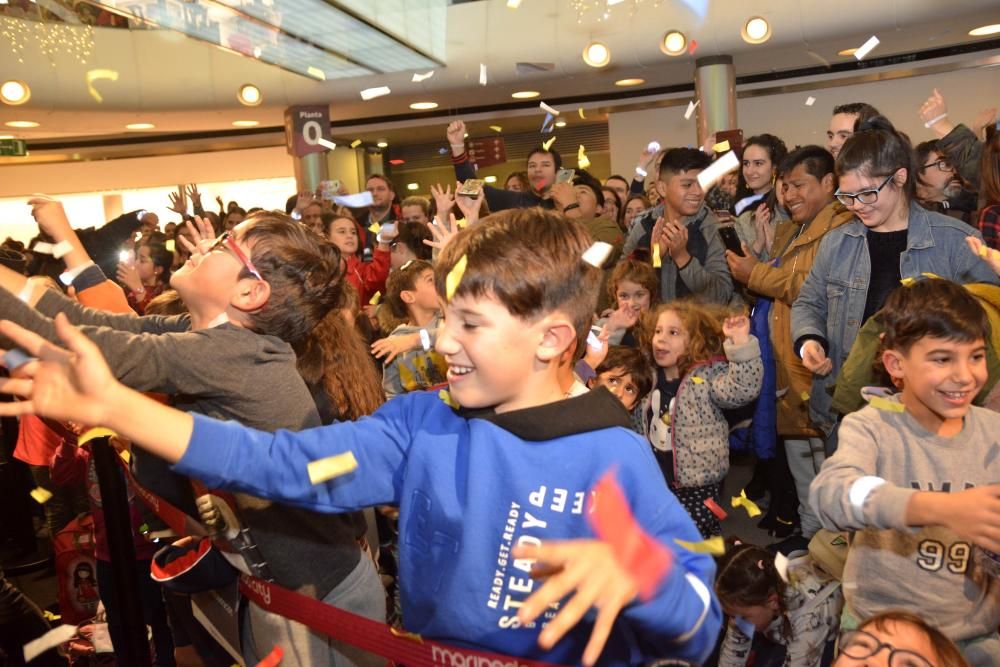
x=51 y=39
x=604 y=9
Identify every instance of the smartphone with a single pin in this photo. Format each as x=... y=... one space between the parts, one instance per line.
x=565 y=175
x=731 y=239
x=735 y=139
x=471 y=188
x=328 y=189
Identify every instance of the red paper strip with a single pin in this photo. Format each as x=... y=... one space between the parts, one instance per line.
x=273 y=658
x=716 y=508
x=611 y=518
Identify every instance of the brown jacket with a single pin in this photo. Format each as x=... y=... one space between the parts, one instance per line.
x=782 y=283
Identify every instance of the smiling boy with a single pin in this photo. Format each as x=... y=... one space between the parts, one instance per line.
x=481 y=489
x=917 y=479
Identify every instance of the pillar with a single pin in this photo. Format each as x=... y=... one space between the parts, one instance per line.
x=715 y=86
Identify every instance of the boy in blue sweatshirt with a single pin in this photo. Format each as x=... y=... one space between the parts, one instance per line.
x=484 y=489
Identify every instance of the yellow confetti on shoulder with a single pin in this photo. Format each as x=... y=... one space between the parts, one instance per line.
x=93 y=433
x=881 y=403
x=445 y=396
x=928 y=274
x=657 y=261
x=376 y=297
x=749 y=505
x=906 y=282
x=41 y=495
x=714 y=546
x=374 y=228
x=332 y=466
x=454 y=278
x=697 y=380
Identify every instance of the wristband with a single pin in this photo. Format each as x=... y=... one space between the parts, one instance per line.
x=935 y=120
x=570 y=207
x=641 y=172
x=425 y=340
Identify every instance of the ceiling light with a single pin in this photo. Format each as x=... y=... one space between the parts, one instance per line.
x=382 y=143
x=560 y=123
x=756 y=31
x=674 y=43
x=139 y=126
x=412 y=186
x=422 y=106
x=490 y=179
x=21 y=123
x=513 y=4
x=246 y=123
x=14 y=92
x=596 y=54
x=847 y=52
x=630 y=82
x=525 y=94
x=6 y=136
x=249 y=95
x=985 y=30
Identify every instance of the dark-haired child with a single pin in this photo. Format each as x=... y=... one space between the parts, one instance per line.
x=916 y=475
x=409 y=244
x=626 y=373
x=798 y=608
x=411 y=295
x=483 y=489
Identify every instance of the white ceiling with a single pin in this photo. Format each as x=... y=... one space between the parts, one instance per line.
x=182 y=85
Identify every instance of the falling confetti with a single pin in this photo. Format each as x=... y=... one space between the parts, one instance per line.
x=330 y=467
x=496 y=128
x=547 y=144
x=715 y=509
x=781 y=565
x=866 y=48
x=372 y=93
x=580 y=111
x=41 y=495
x=545 y=107
x=316 y=73
x=721 y=147
x=417 y=78
x=810 y=101
x=582 y=161
x=454 y=278
x=597 y=254
x=355 y=143
x=482 y=74
x=376 y=297
x=713 y=546
x=99 y=75
x=326 y=143
x=747 y=504
x=657 y=260
x=725 y=164
x=690 y=110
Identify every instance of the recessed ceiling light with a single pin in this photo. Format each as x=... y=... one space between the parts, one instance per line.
x=756 y=30
x=560 y=123
x=525 y=94
x=847 y=52
x=246 y=123
x=630 y=82
x=674 y=43
x=21 y=123
x=139 y=126
x=422 y=106
x=14 y=92
x=249 y=95
x=412 y=186
x=596 y=54
x=985 y=30
x=383 y=144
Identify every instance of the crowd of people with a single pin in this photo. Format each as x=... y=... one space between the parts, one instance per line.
x=485 y=356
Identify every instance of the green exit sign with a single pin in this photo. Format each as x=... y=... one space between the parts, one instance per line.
x=13 y=148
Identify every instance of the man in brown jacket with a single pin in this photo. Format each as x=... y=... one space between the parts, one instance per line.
x=807 y=188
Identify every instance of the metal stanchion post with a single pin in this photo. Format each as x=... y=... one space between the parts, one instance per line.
x=118 y=525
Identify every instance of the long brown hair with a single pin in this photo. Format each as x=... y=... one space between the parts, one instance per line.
x=990 y=170
x=747 y=577
x=703 y=323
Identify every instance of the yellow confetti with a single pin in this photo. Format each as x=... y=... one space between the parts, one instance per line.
x=721 y=147
x=984 y=251
x=445 y=396
x=657 y=262
x=547 y=144
x=714 y=546
x=927 y=274
x=461 y=223
x=126 y=456
x=496 y=128
x=95 y=433
x=98 y=75
x=374 y=228
x=582 y=161
x=455 y=277
x=332 y=466
x=41 y=495
x=376 y=297
x=580 y=111
x=804 y=396
x=881 y=403
x=747 y=504
x=355 y=143
x=407 y=635
x=906 y=282
x=697 y=380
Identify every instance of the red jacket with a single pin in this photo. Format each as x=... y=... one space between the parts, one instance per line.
x=368 y=277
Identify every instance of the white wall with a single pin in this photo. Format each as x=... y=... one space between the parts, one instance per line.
x=785 y=115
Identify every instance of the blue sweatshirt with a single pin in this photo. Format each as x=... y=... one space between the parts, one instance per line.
x=470 y=486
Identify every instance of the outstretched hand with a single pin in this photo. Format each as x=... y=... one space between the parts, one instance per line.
x=989 y=255
x=443 y=232
x=736 y=329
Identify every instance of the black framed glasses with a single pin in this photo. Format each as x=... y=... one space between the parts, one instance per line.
x=859 y=645
x=865 y=196
x=227 y=242
x=943 y=164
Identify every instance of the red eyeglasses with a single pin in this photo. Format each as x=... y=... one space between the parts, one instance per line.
x=227 y=241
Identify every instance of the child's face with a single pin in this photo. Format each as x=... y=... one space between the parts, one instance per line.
x=632 y=296
x=670 y=340
x=425 y=296
x=344 y=235
x=208 y=280
x=619 y=382
x=761 y=615
x=144 y=265
x=940 y=378
x=491 y=354
x=896 y=635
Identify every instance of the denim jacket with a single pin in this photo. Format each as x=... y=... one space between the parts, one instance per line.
x=831 y=303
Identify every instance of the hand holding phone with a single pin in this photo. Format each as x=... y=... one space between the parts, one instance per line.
x=731 y=239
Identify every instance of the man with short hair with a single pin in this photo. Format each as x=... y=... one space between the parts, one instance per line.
x=692 y=255
x=939 y=187
x=843 y=122
x=415 y=209
x=619 y=185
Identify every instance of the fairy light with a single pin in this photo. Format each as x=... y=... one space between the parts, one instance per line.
x=51 y=39
x=604 y=9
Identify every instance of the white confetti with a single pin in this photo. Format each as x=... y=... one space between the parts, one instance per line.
x=482 y=74
x=690 y=110
x=417 y=78
x=810 y=101
x=781 y=565
x=597 y=254
x=49 y=640
x=725 y=164
x=546 y=107
x=866 y=48
x=372 y=93
x=326 y=143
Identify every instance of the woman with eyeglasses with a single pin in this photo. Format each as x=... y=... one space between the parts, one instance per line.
x=989 y=168
x=897 y=639
x=858 y=264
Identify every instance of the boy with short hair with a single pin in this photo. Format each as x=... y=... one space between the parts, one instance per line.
x=477 y=486
x=411 y=295
x=916 y=476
